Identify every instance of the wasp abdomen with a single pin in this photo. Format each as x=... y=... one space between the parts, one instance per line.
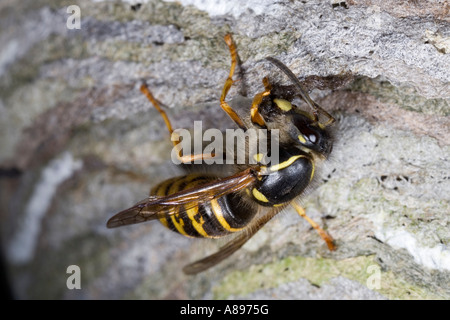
x=211 y=219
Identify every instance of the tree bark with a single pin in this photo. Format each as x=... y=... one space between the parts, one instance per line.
x=79 y=142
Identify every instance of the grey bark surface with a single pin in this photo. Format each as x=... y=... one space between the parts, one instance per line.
x=79 y=143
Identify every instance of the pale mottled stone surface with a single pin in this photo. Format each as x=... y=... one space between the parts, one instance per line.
x=79 y=142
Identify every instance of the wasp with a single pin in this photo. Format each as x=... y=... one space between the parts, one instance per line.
x=209 y=206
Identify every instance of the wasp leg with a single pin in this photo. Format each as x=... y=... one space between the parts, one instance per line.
x=229 y=82
x=323 y=234
x=175 y=138
x=255 y=115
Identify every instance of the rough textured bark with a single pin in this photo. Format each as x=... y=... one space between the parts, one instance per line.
x=79 y=143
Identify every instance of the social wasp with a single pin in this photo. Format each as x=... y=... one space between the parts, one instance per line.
x=210 y=206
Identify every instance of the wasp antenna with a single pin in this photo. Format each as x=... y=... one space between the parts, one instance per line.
x=294 y=79
x=305 y=96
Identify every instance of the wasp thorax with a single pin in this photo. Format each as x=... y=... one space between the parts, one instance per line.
x=285 y=179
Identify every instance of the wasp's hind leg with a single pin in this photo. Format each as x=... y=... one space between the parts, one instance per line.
x=174 y=136
x=323 y=234
x=229 y=82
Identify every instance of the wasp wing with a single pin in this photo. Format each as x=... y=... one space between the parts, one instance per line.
x=156 y=207
x=232 y=246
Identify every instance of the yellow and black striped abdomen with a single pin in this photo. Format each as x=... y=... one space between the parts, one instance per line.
x=211 y=219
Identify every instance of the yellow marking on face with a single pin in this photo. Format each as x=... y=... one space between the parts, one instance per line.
x=258 y=157
x=218 y=213
x=283 y=104
x=285 y=164
x=301 y=138
x=259 y=196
